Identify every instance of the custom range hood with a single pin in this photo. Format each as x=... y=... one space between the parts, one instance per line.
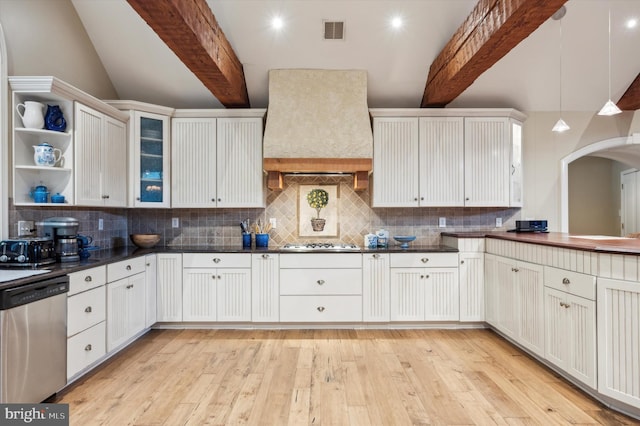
x=318 y=123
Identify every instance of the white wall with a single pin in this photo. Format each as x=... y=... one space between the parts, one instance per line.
x=543 y=150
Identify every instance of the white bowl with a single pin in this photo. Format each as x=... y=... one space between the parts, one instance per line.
x=404 y=239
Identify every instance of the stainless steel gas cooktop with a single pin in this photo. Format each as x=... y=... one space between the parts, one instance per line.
x=320 y=247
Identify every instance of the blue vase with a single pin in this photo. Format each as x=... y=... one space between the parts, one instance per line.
x=54 y=120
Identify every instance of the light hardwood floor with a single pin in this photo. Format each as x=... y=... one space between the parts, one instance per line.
x=328 y=377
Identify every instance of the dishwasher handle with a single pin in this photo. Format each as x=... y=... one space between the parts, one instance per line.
x=32 y=292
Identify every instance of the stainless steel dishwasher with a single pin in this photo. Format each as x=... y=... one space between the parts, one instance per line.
x=33 y=340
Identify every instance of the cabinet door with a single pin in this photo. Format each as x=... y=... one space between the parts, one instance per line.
x=125 y=310
x=376 y=288
x=114 y=164
x=193 y=162
x=88 y=156
x=407 y=294
x=441 y=294
x=265 y=286
x=581 y=362
x=629 y=196
x=556 y=327
x=530 y=306
x=441 y=161
x=150 y=289
x=490 y=289
x=516 y=176
x=240 y=176
x=169 y=287
x=395 y=162
x=618 y=306
x=150 y=160
x=233 y=287
x=487 y=161
x=471 y=286
x=505 y=296
x=199 y=294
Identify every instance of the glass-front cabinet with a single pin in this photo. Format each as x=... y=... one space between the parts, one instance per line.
x=151 y=160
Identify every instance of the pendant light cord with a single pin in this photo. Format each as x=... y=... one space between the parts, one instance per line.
x=609 y=3
x=560 y=65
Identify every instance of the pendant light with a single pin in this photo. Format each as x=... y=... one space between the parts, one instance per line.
x=609 y=108
x=561 y=125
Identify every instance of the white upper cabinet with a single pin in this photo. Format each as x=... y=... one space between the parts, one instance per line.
x=217 y=162
x=516 y=181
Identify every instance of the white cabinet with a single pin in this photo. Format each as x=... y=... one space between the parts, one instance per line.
x=100 y=158
x=169 y=287
x=424 y=286
x=618 y=307
x=125 y=301
x=630 y=201
x=265 y=287
x=150 y=297
x=376 y=287
x=86 y=316
x=321 y=287
x=471 y=286
x=516 y=181
x=570 y=323
x=149 y=162
x=216 y=287
x=217 y=162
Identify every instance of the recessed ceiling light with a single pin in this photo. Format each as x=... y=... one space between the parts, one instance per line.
x=277 y=23
x=632 y=23
x=396 y=22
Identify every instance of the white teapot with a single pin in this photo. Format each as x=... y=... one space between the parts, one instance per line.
x=32 y=115
x=46 y=155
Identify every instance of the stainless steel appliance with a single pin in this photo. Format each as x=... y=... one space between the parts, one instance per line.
x=33 y=340
x=321 y=246
x=530 y=226
x=33 y=252
x=63 y=231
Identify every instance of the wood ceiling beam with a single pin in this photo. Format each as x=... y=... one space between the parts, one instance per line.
x=630 y=101
x=191 y=31
x=491 y=30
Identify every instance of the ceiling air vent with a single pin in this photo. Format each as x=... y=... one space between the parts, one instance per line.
x=333 y=30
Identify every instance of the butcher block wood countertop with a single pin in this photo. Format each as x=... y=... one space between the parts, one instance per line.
x=597 y=243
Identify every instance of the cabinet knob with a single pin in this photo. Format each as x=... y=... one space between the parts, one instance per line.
x=515 y=269
x=265 y=256
x=422 y=277
x=137 y=198
x=376 y=256
x=128 y=268
x=427 y=276
x=421 y=198
x=88 y=347
x=213 y=200
x=424 y=259
x=213 y=277
x=87 y=279
x=148 y=264
x=462 y=262
x=415 y=199
x=130 y=286
x=219 y=277
x=88 y=309
x=216 y=260
x=466 y=199
x=219 y=199
x=320 y=308
x=566 y=281
x=320 y=282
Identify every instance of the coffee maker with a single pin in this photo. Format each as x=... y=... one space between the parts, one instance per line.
x=63 y=231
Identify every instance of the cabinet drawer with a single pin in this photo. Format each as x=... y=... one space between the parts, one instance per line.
x=320 y=308
x=85 y=310
x=85 y=348
x=216 y=260
x=321 y=260
x=87 y=279
x=321 y=281
x=119 y=270
x=422 y=260
x=582 y=285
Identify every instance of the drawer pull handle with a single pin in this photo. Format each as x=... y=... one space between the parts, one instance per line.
x=424 y=259
x=88 y=279
x=88 y=309
x=564 y=305
x=375 y=256
x=265 y=256
x=88 y=347
x=320 y=308
x=320 y=282
x=566 y=281
x=130 y=286
x=515 y=269
x=128 y=268
x=216 y=260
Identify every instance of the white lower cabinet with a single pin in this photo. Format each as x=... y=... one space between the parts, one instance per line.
x=426 y=293
x=150 y=290
x=220 y=293
x=321 y=287
x=85 y=348
x=169 y=287
x=618 y=305
x=125 y=309
x=471 y=286
x=376 y=288
x=265 y=286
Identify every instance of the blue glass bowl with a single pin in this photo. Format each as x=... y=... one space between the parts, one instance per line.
x=404 y=239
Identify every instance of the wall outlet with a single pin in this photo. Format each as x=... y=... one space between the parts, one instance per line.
x=25 y=227
x=498 y=222
x=442 y=222
x=175 y=222
x=100 y=224
x=273 y=222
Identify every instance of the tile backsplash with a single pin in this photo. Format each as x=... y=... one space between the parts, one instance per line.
x=201 y=227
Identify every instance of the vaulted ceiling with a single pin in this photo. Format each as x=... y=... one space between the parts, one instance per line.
x=459 y=53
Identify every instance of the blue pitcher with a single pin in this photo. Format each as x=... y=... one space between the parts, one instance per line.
x=54 y=120
x=40 y=194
